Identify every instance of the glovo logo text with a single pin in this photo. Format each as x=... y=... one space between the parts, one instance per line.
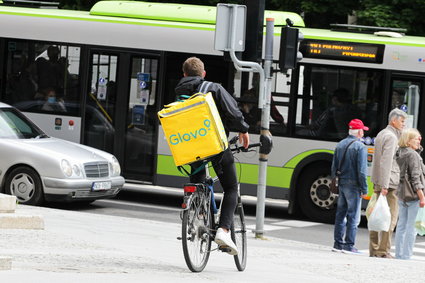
x=188 y=136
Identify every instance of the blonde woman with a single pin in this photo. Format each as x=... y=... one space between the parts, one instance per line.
x=411 y=166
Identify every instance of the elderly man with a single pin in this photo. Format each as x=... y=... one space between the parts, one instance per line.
x=385 y=178
x=350 y=160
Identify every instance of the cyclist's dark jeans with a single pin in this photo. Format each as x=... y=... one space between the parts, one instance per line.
x=224 y=166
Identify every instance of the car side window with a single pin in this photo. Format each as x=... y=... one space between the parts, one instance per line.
x=13 y=126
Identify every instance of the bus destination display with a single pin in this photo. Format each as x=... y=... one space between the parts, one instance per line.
x=340 y=50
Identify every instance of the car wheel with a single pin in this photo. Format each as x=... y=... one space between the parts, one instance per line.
x=25 y=184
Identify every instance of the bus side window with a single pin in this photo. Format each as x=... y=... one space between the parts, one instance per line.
x=332 y=96
x=38 y=70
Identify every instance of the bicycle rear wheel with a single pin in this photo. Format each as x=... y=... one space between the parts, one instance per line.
x=239 y=237
x=196 y=238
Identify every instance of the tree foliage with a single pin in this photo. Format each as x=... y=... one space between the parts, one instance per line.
x=320 y=13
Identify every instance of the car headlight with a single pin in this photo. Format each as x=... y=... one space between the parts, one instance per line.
x=115 y=167
x=66 y=168
x=76 y=170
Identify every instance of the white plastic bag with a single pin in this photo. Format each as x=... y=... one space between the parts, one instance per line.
x=371 y=205
x=380 y=218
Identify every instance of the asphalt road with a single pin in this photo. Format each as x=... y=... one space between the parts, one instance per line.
x=147 y=203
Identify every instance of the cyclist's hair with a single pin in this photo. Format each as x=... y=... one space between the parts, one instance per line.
x=396 y=114
x=407 y=135
x=193 y=66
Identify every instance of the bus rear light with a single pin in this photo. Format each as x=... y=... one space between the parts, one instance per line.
x=189 y=189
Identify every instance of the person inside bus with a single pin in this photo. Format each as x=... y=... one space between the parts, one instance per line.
x=49 y=72
x=332 y=122
x=52 y=102
x=397 y=99
x=248 y=104
x=21 y=85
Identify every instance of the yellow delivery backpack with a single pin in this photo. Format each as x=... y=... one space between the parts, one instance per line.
x=193 y=129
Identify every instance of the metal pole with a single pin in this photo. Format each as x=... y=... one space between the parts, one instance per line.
x=264 y=104
x=249 y=66
x=265 y=133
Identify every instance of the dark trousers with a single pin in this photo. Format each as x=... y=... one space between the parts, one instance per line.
x=224 y=167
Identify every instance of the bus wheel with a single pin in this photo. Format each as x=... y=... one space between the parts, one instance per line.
x=314 y=196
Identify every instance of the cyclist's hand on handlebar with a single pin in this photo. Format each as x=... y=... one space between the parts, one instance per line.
x=244 y=139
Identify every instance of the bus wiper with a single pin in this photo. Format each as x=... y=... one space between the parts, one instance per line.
x=41 y=136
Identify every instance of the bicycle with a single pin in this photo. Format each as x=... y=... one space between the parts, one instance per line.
x=200 y=221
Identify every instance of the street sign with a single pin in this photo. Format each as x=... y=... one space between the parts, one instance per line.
x=225 y=40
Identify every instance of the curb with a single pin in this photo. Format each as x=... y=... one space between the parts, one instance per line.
x=5 y=263
x=13 y=221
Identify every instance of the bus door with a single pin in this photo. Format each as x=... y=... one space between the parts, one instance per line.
x=120 y=114
x=406 y=93
x=99 y=119
x=141 y=125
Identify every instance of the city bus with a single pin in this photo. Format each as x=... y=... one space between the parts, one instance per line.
x=99 y=77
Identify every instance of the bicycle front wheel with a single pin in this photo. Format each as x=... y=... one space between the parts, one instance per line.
x=239 y=237
x=196 y=237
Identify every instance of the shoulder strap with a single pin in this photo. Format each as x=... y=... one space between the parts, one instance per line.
x=204 y=86
x=343 y=157
x=185 y=172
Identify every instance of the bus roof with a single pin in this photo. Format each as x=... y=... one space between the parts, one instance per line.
x=177 y=12
x=325 y=34
x=194 y=17
x=137 y=12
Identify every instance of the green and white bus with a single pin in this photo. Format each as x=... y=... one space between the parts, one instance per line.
x=114 y=67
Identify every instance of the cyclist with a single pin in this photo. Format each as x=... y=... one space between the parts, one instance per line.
x=224 y=166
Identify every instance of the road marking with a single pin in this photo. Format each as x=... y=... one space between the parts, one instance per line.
x=127 y=203
x=266 y=227
x=296 y=223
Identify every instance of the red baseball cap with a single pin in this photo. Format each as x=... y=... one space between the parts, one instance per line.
x=357 y=124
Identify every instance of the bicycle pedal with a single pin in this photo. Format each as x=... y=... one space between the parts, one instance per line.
x=225 y=249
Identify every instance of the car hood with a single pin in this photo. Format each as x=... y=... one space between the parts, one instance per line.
x=65 y=149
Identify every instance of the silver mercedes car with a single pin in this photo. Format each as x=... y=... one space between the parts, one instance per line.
x=36 y=168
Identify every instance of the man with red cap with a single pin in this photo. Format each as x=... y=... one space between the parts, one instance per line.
x=350 y=165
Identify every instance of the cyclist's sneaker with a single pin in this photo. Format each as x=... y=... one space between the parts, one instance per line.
x=223 y=238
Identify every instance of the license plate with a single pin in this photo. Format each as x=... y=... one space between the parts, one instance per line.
x=101 y=186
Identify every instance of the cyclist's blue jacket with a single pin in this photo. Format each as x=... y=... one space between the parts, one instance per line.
x=353 y=170
x=227 y=106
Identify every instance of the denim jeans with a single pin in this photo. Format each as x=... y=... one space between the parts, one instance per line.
x=405 y=234
x=347 y=217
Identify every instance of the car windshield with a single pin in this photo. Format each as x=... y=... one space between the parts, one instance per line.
x=14 y=125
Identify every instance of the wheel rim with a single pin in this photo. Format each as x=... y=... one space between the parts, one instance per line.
x=321 y=194
x=239 y=237
x=23 y=187
x=197 y=241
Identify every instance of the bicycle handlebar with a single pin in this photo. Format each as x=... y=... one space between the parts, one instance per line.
x=233 y=141
x=241 y=148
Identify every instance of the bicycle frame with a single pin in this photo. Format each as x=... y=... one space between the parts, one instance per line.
x=200 y=219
